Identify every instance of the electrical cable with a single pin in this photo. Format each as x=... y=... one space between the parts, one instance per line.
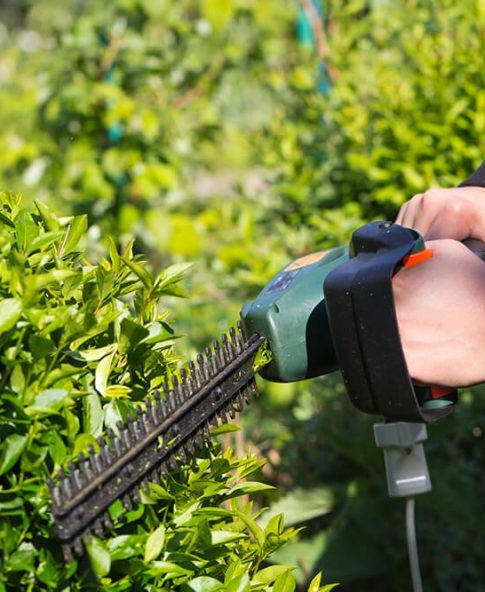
x=413 y=546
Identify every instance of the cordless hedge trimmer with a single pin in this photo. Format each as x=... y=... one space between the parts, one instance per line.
x=327 y=311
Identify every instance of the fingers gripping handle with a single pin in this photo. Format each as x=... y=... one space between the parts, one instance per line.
x=434 y=396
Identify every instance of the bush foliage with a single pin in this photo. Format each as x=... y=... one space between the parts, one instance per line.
x=80 y=344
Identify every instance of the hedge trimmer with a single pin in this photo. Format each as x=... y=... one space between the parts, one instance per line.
x=326 y=311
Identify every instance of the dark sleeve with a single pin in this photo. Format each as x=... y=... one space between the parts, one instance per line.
x=477 y=179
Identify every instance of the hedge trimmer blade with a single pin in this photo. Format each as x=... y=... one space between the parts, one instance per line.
x=156 y=441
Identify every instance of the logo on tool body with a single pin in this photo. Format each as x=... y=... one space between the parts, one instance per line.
x=306 y=260
x=289 y=274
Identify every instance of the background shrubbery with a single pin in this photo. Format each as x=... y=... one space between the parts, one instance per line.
x=200 y=127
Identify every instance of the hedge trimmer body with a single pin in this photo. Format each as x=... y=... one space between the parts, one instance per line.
x=327 y=311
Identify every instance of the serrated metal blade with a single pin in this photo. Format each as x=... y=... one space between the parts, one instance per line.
x=158 y=438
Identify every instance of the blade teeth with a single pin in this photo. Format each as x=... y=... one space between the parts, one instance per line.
x=78 y=546
x=198 y=440
x=189 y=447
x=236 y=340
x=83 y=467
x=238 y=403
x=172 y=464
x=176 y=397
x=218 y=355
x=227 y=348
x=67 y=553
x=98 y=528
x=116 y=444
x=65 y=484
x=202 y=368
x=242 y=330
x=74 y=477
x=151 y=411
x=124 y=436
x=209 y=363
x=108 y=448
x=55 y=492
x=126 y=501
x=195 y=377
x=160 y=408
x=142 y=420
x=251 y=391
x=223 y=416
x=132 y=427
x=166 y=404
x=135 y=495
x=108 y=523
x=186 y=384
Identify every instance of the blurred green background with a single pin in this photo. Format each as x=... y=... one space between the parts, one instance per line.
x=239 y=134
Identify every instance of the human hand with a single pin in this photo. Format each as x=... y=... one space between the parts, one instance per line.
x=457 y=213
x=440 y=307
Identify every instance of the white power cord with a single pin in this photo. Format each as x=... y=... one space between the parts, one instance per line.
x=413 y=546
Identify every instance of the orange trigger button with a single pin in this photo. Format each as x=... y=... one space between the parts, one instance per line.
x=441 y=391
x=416 y=258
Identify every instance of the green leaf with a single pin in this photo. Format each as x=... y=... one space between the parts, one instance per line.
x=314 y=585
x=169 y=277
x=98 y=555
x=239 y=584
x=23 y=559
x=82 y=442
x=270 y=574
x=204 y=584
x=50 y=399
x=143 y=274
x=10 y=312
x=26 y=229
x=95 y=354
x=285 y=583
x=74 y=232
x=103 y=371
x=225 y=428
x=247 y=487
x=155 y=543
x=46 y=239
x=167 y=568
x=93 y=414
x=125 y=546
x=50 y=221
x=221 y=537
x=6 y=220
x=11 y=450
x=263 y=356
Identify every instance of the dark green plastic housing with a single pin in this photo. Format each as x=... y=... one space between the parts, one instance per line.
x=290 y=312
